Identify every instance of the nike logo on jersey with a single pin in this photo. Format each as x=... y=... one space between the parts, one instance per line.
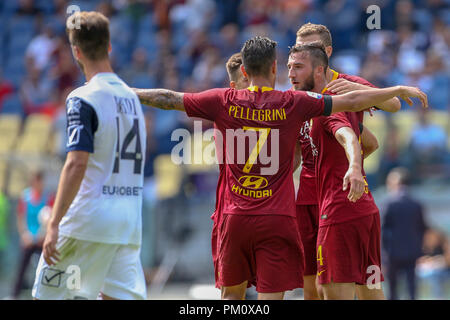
x=320 y=272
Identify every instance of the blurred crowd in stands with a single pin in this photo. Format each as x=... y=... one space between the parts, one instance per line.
x=184 y=44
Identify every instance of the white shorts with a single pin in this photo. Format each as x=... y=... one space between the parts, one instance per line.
x=87 y=268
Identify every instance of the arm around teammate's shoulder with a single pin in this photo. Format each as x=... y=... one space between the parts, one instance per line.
x=161 y=98
x=205 y=104
x=342 y=86
x=363 y=99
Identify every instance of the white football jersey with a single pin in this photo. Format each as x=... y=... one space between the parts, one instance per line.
x=105 y=118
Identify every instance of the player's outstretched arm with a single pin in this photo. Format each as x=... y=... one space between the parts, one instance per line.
x=341 y=86
x=348 y=140
x=69 y=183
x=161 y=98
x=363 y=99
x=368 y=141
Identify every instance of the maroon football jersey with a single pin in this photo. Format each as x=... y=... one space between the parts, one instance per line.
x=307 y=193
x=259 y=128
x=331 y=167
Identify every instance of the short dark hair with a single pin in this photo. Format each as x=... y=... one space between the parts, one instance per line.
x=258 y=55
x=233 y=65
x=90 y=32
x=316 y=52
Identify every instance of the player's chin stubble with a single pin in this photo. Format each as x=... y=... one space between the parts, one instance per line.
x=309 y=83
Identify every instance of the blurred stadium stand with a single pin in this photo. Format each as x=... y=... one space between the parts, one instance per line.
x=173 y=44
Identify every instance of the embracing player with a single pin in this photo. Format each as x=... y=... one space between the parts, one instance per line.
x=95 y=226
x=339 y=82
x=306 y=201
x=348 y=238
x=258 y=233
x=237 y=81
x=307 y=205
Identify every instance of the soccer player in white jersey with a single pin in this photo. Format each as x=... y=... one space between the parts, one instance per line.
x=92 y=245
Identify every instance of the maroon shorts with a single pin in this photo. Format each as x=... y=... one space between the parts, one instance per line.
x=308 y=225
x=350 y=251
x=214 y=246
x=264 y=250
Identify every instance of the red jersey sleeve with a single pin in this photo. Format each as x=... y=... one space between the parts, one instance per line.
x=335 y=122
x=205 y=104
x=311 y=104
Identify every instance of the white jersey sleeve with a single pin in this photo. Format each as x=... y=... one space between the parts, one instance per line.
x=82 y=123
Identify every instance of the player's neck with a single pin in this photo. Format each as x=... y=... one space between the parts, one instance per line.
x=260 y=82
x=93 y=68
x=320 y=84
x=329 y=75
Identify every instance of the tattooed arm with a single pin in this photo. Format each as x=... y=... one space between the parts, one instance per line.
x=161 y=98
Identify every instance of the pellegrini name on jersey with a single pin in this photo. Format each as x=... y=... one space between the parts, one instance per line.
x=265 y=115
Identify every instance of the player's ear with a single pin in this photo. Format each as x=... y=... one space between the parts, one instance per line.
x=243 y=71
x=233 y=84
x=274 y=67
x=77 y=52
x=320 y=70
x=109 y=48
x=329 y=51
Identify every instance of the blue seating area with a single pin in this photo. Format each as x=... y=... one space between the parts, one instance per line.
x=174 y=49
x=135 y=26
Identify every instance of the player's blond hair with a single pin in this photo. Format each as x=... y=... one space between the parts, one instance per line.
x=90 y=32
x=233 y=65
x=309 y=29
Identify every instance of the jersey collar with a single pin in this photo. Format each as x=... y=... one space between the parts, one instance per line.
x=335 y=76
x=105 y=74
x=256 y=89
